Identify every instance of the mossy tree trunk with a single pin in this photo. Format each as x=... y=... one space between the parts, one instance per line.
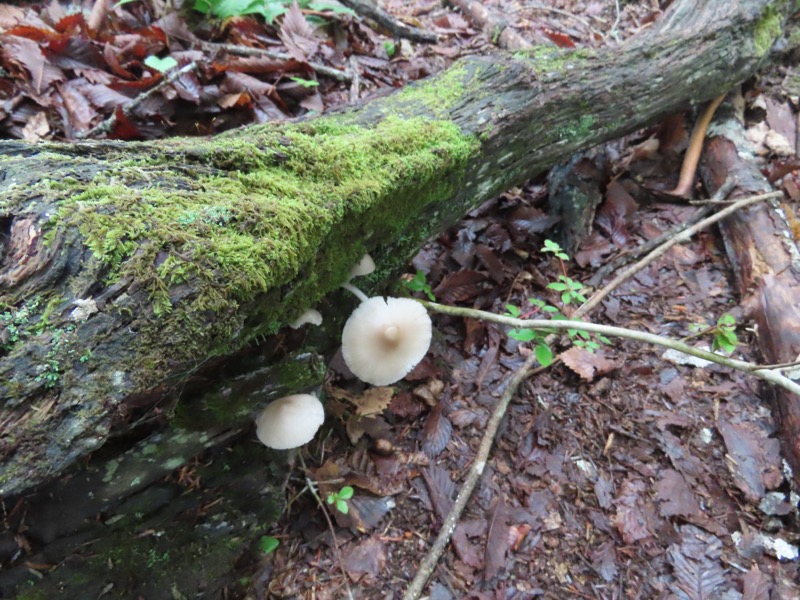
x=127 y=266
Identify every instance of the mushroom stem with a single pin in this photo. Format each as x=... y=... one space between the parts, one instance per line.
x=355 y=291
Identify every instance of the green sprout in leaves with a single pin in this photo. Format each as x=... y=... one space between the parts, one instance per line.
x=268 y=544
x=340 y=498
x=269 y=9
x=542 y=351
x=306 y=83
x=569 y=288
x=725 y=334
x=551 y=246
x=419 y=284
x=390 y=48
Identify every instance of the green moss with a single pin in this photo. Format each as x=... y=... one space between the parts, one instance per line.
x=580 y=129
x=550 y=60
x=250 y=217
x=439 y=95
x=232 y=408
x=767 y=30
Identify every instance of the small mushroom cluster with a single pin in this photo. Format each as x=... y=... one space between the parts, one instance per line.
x=382 y=341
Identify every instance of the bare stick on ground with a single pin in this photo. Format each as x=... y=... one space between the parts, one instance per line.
x=397 y=28
x=283 y=56
x=107 y=125
x=496 y=29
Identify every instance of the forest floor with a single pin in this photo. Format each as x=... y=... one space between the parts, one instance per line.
x=624 y=473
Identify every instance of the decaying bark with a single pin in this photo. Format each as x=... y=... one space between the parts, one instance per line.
x=766 y=265
x=126 y=267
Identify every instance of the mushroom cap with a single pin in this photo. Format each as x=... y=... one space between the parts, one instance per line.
x=363 y=267
x=290 y=422
x=385 y=338
x=312 y=316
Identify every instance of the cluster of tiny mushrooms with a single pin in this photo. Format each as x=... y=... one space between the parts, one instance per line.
x=382 y=341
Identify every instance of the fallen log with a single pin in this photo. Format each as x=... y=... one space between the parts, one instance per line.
x=765 y=262
x=127 y=266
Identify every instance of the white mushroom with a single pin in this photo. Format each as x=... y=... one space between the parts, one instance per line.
x=290 y=422
x=310 y=316
x=385 y=338
x=363 y=267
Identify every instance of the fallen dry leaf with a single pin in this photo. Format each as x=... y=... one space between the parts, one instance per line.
x=497 y=542
x=753 y=458
x=587 y=365
x=675 y=495
x=436 y=431
x=297 y=35
x=367 y=558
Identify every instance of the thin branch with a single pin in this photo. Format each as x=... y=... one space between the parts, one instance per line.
x=617 y=263
x=399 y=29
x=610 y=331
x=312 y=487
x=431 y=559
x=107 y=125
x=682 y=236
x=428 y=564
x=248 y=51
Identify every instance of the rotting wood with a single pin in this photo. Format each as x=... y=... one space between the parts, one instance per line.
x=102 y=312
x=766 y=266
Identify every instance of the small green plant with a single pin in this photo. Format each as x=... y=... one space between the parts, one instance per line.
x=555 y=249
x=569 y=288
x=390 y=48
x=543 y=352
x=419 y=284
x=724 y=333
x=340 y=498
x=306 y=83
x=570 y=293
x=268 y=544
x=269 y=9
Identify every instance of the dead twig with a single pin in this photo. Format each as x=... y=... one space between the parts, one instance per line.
x=760 y=371
x=681 y=236
x=312 y=487
x=428 y=564
x=127 y=110
x=397 y=28
x=248 y=51
x=431 y=559
x=496 y=29
x=615 y=265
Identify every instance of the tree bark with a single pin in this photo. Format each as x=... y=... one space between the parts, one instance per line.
x=127 y=266
x=766 y=262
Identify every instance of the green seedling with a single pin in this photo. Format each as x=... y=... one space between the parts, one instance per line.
x=306 y=83
x=340 y=498
x=419 y=284
x=268 y=544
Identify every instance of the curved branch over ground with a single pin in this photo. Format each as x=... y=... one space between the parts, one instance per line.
x=125 y=266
